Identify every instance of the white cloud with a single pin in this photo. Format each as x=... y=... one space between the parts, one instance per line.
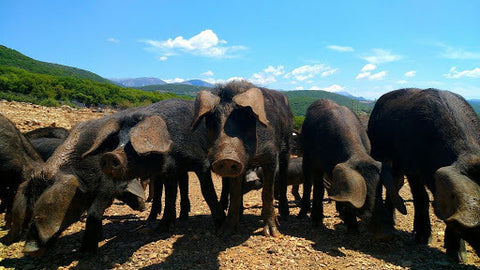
x=206 y=43
x=340 y=48
x=402 y=82
x=455 y=74
x=378 y=76
x=362 y=75
x=309 y=71
x=162 y=58
x=410 y=73
x=457 y=53
x=369 y=67
x=299 y=88
x=235 y=79
x=276 y=71
x=329 y=72
x=262 y=79
x=213 y=81
x=367 y=75
x=380 y=56
x=331 y=88
x=176 y=80
x=207 y=73
x=113 y=40
x=334 y=88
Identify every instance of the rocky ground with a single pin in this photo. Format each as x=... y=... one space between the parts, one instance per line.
x=194 y=245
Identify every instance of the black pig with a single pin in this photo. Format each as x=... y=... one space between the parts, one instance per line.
x=46 y=140
x=294 y=178
x=159 y=145
x=433 y=137
x=18 y=158
x=247 y=127
x=336 y=147
x=69 y=184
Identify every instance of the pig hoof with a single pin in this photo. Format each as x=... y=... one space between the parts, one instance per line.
x=165 y=226
x=225 y=231
x=183 y=217
x=385 y=235
x=423 y=239
x=457 y=256
x=269 y=230
x=318 y=224
x=302 y=215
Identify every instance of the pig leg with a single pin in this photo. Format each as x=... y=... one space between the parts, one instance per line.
x=295 y=193
x=348 y=216
x=282 y=182
x=309 y=175
x=398 y=175
x=454 y=245
x=208 y=192
x=93 y=229
x=269 y=218
x=233 y=216
x=317 y=204
x=157 y=198
x=184 y=200
x=421 y=223
x=383 y=220
x=169 y=213
x=225 y=193
x=151 y=190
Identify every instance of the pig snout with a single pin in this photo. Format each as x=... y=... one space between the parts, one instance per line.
x=114 y=164
x=228 y=167
x=33 y=249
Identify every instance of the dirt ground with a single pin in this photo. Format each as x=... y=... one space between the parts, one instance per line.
x=194 y=245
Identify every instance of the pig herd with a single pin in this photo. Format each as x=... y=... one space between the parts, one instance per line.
x=51 y=177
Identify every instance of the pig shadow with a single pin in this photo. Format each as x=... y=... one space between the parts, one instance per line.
x=123 y=242
x=199 y=247
x=401 y=251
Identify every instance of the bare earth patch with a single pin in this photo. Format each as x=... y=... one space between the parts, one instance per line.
x=194 y=245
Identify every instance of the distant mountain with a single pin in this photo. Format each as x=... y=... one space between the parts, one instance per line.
x=13 y=58
x=198 y=83
x=138 y=82
x=350 y=95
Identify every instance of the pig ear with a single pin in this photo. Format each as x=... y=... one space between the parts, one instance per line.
x=136 y=189
x=107 y=130
x=392 y=187
x=347 y=185
x=457 y=198
x=53 y=209
x=253 y=98
x=204 y=103
x=151 y=136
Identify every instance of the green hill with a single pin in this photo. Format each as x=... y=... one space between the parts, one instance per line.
x=176 y=88
x=300 y=100
x=50 y=90
x=12 y=58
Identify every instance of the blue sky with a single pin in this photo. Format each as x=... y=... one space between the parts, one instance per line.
x=366 y=48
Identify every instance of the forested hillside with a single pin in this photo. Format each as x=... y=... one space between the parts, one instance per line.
x=50 y=90
x=176 y=88
x=12 y=58
x=300 y=100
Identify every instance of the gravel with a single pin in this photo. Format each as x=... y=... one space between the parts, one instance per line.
x=194 y=245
